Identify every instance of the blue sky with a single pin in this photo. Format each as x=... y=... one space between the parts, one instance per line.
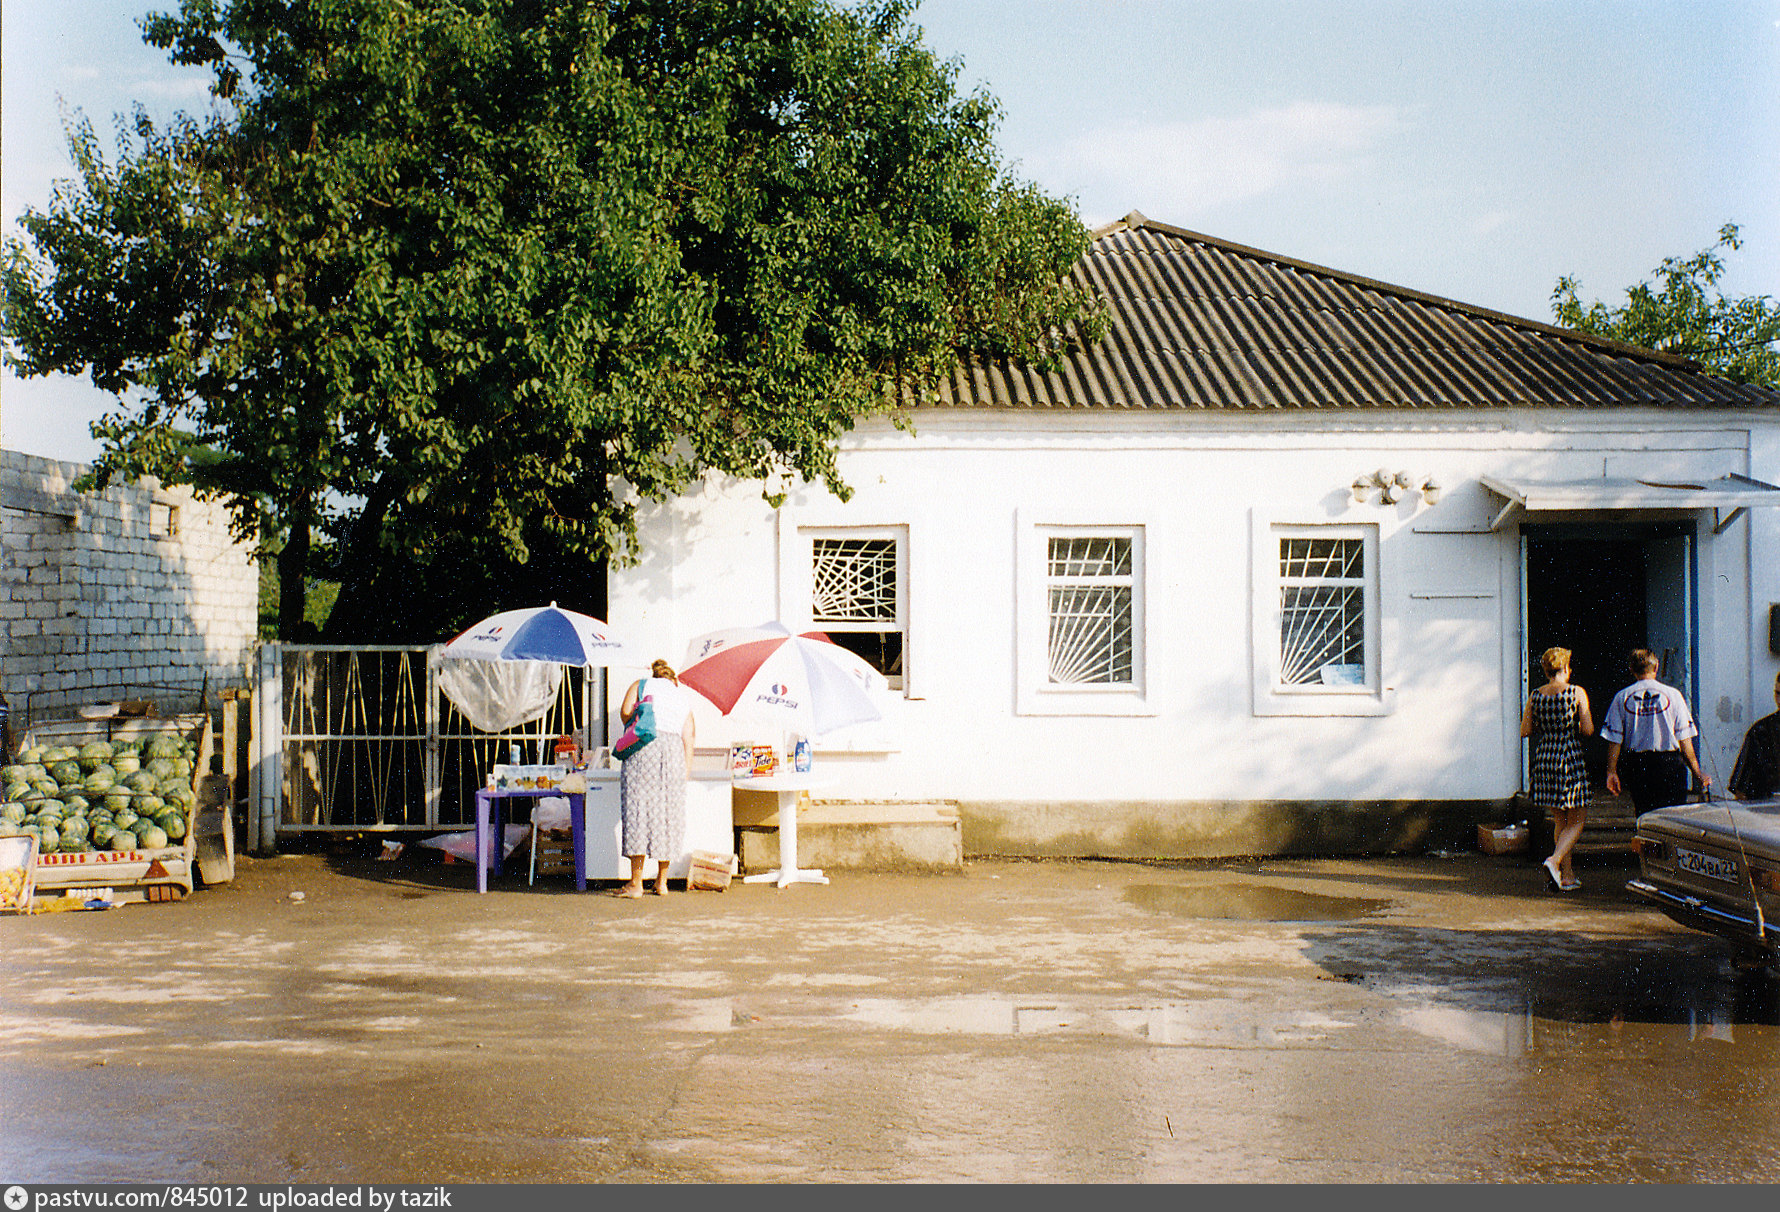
x=1476 y=150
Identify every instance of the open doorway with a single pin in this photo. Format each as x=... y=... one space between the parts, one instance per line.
x=1601 y=590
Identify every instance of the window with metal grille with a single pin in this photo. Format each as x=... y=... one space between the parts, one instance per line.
x=856 y=598
x=1089 y=589
x=1322 y=611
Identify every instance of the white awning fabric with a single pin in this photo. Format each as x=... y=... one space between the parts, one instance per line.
x=1727 y=495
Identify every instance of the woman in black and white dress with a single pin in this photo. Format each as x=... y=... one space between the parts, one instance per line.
x=1556 y=718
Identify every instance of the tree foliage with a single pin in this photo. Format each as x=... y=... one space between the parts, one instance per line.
x=1685 y=313
x=445 y=288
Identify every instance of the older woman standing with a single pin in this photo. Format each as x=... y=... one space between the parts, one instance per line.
x=1557 y=717
x=652 y=784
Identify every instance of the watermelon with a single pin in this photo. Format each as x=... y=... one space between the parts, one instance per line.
x=162 y=768
x=174 y=824
x=149 y=805
x=142 y=780
x=103 y=833
x=162 y=745
x=125 y=763
x=123 y=839
x=100 y=778
x=151 y=837
x=117 y=801
x=12 y=814
x=124 y=819
x=49 y=839
x=94 y=754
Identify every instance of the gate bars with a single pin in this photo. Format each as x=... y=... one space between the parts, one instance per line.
x=361 y=739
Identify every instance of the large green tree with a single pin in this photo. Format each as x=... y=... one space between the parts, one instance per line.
x=1683 y=312
x=444 y=288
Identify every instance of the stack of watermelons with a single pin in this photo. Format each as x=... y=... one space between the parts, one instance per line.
x=127 y=795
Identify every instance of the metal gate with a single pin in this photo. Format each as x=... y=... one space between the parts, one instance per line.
x=361 y=738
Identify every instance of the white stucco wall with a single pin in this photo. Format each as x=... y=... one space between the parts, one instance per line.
x=969 y=725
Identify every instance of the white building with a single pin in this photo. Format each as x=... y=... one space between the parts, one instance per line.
x=1159 y=604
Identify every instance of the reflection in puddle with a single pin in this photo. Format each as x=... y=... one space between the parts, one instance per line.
x=1493 y=1032
x=1251 y=902
x=1554 y=1029
x=1213 y=1021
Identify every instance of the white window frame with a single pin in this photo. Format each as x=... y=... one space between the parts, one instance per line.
x=797 y=588
x=1271 y=695
x=1035 y=693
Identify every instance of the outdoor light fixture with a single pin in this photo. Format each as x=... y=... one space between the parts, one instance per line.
x=1393 y=486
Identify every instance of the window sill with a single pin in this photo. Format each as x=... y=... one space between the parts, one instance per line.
x=1115 y=703
x=1336 y=704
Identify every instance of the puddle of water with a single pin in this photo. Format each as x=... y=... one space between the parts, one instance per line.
x=1251 y=902
x=1215 y=1021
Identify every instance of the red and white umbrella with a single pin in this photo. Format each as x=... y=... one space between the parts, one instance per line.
x=801 y=683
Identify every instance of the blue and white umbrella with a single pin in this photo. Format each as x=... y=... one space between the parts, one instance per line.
x=539 y=633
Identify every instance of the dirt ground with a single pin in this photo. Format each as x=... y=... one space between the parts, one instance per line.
x=327 y=1017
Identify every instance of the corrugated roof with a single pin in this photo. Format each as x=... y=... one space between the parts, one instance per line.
x=1201 y=323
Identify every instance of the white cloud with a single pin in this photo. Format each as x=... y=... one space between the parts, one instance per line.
x=1194 y=167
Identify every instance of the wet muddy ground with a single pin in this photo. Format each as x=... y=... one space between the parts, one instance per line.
x=1413 y=1019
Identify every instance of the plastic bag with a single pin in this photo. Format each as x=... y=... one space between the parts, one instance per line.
x=497 y=695
x=463 y=845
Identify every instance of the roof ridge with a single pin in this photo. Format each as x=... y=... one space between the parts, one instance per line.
x=1136 y=220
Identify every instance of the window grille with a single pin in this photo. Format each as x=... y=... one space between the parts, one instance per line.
x=1322 y=611
x=853 y=581
x=1092 y=641
x=855 y=599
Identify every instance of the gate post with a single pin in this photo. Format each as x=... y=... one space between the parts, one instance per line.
x=267 y=749
x=432 y=765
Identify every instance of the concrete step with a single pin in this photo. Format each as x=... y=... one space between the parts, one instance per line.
x=862 y=836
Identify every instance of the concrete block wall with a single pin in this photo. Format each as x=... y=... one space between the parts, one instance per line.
x=134 y=592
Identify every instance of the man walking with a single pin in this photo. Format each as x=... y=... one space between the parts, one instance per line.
x=1756 y=775
x=1649 y=733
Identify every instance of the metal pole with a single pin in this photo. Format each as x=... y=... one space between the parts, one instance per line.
x=268 y=748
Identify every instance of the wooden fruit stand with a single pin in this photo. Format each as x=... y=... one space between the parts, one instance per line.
x=163 y=874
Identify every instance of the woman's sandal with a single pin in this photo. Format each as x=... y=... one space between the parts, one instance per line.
x=1552 y=879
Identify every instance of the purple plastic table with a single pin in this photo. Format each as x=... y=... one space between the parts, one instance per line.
x=490 y=852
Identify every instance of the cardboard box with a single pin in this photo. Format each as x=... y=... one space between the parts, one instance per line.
x=1502 y=839
x=710 y=871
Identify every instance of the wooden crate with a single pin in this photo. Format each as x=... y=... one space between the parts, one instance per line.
x=554 y=853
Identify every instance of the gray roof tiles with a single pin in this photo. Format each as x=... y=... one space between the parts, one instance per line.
x=1201 y=323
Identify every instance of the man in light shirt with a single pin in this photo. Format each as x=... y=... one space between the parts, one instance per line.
x=1649 y=733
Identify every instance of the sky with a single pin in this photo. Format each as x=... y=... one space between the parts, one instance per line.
x=1472 y=149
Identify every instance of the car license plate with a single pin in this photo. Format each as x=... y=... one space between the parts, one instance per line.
x=1707 y=865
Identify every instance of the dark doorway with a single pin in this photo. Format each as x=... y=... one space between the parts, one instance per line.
x=1601 y=590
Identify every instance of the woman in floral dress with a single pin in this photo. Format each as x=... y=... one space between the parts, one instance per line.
x=652 y=783
x=1556 y=718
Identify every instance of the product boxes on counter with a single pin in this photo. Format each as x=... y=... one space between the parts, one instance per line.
x=18 y=862
x=531 y=778
x=749 y=761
